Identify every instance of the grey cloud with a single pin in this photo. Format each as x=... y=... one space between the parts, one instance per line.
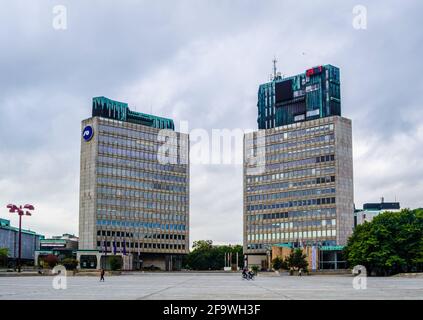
x=201 y=61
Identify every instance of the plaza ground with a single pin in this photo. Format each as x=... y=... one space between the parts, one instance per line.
x=210 y=286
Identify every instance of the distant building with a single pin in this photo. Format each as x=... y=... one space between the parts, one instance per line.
x=371 y=210
x=64 y=246
x=9 y=238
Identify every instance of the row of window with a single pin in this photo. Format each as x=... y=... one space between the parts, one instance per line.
x=290 y=194
x=129 y=153
x=314 y=213
x=291 y=184
x=131 y=133
x=128 y=183
x=271 y=138
x=292 y=235
x=140 y=145
x=131 y=193
x=298 y=144
x=298 y=163
x=139 y=224
x=117 y=202
x=289 y=225
x=144 y=165
x=291 y=174
x=137 y=174
x=299 y=154
x=166 y=236
x=294 y=203
x=107 y=245
x=295 y=244
x=260 y=147
x=108 y=212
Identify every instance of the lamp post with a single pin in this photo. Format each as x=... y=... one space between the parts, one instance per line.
x=20 y=211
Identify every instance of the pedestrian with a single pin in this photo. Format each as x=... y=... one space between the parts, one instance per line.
x=102 y=275
x=300 y=272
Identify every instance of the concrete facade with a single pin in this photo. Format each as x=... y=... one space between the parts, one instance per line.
x=298 y=185
x=131 y=202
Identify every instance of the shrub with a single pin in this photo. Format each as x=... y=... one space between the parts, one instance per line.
x=255 y=269
x=277 y=263
x=3 y=256
x=115 y=263
x=70 y=263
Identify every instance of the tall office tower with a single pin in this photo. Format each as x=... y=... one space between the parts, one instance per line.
x=134 y=189
x=306 y=96
x=298 y=169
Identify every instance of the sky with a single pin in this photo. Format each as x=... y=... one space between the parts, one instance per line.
x=201 y=62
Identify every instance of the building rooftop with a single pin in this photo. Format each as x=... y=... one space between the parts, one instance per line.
x=111 y=109
x=5 y=224
x=382 y=206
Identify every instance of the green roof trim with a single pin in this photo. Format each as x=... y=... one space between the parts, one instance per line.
x=5 y=224
x=332 y=248
x=53 y=240
x=111 y=109
x=285 y=245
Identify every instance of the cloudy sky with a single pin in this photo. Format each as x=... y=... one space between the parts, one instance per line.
x=201 y=61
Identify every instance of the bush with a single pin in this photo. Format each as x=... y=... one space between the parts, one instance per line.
x=115 y=263
x=70 y=263
x=3 y=256
x=297 y=260
x=255 y=269
x=277 y=263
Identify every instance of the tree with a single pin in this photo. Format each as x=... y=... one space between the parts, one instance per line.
x=51 y=260
x=115 y=263
x=277 y=263
x=69 y=263
x=391 y=243
x=3 y=256
x=296 y=260
x=206 y=256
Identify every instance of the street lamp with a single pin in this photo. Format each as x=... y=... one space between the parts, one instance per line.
x=20 y=211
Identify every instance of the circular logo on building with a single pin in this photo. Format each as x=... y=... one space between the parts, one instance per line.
x=87 y=133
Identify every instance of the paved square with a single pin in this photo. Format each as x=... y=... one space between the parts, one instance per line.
x=209 y=286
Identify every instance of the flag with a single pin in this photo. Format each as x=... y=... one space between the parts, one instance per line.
x=124 y=246
x=114 y=246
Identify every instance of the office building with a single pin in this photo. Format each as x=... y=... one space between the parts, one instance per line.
x=310 y=95
x=64 y=246
x=371 y=210
x=298 y=171
x=9 y=239
x=134 y=195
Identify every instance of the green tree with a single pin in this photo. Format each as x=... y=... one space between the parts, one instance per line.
x=206 y=256
x=115 y=263
x=3 y=256
x=277 y=263
x=70 y=263
x=296 y=260
x=391 y=243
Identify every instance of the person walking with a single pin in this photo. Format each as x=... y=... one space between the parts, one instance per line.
x=300 y=272
x=102 y=275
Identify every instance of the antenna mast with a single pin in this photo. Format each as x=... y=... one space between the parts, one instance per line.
x=274 y=66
